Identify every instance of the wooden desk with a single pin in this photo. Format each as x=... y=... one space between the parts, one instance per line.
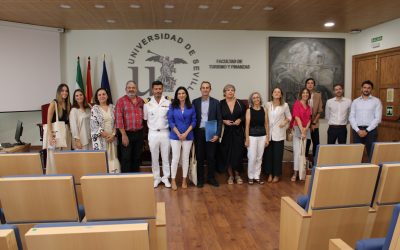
x=18 y=149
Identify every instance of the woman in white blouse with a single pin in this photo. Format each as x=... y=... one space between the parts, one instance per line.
x=279 y=117
x=102 y=127
x=79 y=120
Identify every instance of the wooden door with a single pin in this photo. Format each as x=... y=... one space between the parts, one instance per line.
x=383 y=69
x=364 y=68
x=389 y=79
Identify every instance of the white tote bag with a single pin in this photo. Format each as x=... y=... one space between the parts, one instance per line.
x=193 y=167
x=302 y=160
x=113 y=162
x=58 y=129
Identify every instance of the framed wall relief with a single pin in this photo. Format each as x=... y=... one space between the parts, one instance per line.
x=294 y=59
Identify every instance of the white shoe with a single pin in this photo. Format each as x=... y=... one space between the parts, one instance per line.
x=156 y=182
x=166 y=183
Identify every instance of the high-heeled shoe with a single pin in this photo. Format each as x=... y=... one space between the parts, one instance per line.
x=173 y=185
x=184 y=183
x=294 y=177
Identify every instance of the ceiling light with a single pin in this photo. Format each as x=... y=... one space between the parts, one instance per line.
x=203 y=6
x=65 y=6
x=99 y=6
x=355 y=31
x=169 y=6
x=167 y=21
x=224 y=21
x=135 y=6
x=329 y=24
x=236 y=7
x=111 y=21
x=269 y=8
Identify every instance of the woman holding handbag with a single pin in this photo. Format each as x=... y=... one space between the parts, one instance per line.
x=256 y=137
x=79 y=120
x=102 y=129
x=301 y=123
x=279 y=118
x=57 y=116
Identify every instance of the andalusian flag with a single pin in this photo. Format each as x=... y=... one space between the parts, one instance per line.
x=89 y=93
x=79 y=79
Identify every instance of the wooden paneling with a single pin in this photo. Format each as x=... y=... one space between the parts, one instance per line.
x=287 y=14
x=20 y=164
x=338 y=244
x=364 y=69
x=350 y=190
x=8 y=240
x=101 y=237
x=115 y=197
x=390 y=71
x=345 y=223
x=386 y=152
x=382 y=220
x=38 y=199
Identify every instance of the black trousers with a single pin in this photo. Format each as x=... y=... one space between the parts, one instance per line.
x=129 y=156
x=371 y=137
x=273 y=156
x=315 y=142
x=204 y=150
x=338 y=133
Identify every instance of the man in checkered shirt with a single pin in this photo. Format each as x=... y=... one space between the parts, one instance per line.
x=129 y=121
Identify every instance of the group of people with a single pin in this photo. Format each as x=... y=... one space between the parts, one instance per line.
x=364 y=115
x=178 y=123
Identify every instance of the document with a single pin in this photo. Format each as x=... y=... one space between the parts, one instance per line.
x=211 y=129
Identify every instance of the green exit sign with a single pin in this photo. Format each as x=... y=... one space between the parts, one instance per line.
x=376 y=39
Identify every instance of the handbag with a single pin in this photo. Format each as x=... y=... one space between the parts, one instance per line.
x=303 y=162
x=58 y=129
x=289 y=134
x=113 y=162
x=193 y=167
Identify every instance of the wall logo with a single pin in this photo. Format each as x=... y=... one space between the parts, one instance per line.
x=165 y=57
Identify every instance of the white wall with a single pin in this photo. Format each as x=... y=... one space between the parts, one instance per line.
x=390 y=32
x=250 y=45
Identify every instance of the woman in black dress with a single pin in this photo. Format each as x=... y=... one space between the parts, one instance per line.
x=233 y=114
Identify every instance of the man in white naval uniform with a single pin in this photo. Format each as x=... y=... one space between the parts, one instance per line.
x=155 y=112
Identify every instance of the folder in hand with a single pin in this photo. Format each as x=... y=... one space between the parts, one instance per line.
x=211 y=129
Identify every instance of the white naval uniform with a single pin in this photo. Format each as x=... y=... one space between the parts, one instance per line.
x=157 y=122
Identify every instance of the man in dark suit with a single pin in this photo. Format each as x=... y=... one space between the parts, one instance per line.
x=207 y=109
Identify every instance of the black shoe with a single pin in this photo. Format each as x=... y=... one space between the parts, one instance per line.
x=213 y=182
x=200 y=185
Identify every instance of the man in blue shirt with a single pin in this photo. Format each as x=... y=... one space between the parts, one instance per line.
x=365 y=116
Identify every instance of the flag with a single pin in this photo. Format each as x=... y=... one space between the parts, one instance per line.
x=89 y=93
x=79 y=79
x=104 y=81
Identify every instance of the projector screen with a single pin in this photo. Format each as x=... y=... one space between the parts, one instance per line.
x=29 y=66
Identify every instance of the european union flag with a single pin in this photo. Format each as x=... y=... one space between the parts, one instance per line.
x=104 y=81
